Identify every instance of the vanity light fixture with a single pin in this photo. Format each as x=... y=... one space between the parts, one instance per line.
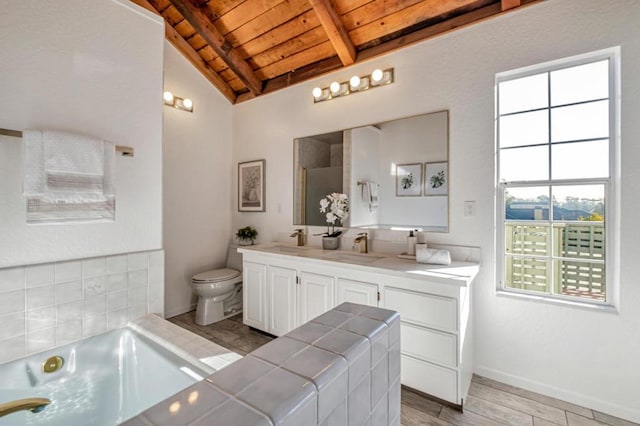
x=339 y=89
x=376 y=75
x=380 y=77
x=355 y=84
x=184 y=104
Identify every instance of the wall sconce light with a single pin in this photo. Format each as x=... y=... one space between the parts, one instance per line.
x=184 y=104
x=355 y=84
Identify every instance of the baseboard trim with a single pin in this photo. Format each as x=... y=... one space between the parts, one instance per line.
x=170 y=313
x=559 y=393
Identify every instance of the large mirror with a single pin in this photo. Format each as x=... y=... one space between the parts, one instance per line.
x=395 y=174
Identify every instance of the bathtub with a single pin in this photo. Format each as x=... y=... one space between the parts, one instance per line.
x=104 y=380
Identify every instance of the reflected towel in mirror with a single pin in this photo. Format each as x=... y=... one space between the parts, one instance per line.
x=371 y=196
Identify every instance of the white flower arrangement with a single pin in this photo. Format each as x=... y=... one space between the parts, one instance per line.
x=336 y=207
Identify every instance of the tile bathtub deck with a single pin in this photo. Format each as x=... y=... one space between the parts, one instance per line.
x=488 y=403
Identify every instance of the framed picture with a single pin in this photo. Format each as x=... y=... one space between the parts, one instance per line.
x=436 y=181
x=409 y=180
x=251 y=190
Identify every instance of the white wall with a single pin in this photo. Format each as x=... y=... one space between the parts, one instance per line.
x=364 y=146
x=591 y=358
x=95 y=68
x=197 y=181
x=92 y=68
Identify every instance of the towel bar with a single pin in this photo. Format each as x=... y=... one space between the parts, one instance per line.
x=126 y=151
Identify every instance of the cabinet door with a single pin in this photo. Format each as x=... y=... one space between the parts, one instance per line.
x=357 y=292
x=282 y=300
x=316 y=295
x=254 y=295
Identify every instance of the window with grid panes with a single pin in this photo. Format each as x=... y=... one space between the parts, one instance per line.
x=556 y=139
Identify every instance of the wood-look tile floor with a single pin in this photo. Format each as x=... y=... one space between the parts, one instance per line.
x=488 y=403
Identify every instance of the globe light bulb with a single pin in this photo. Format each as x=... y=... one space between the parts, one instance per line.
x=354 y=82
x=188 y=103
x=335 y=87
x=168 y=96
x=377 y=75
x=317 y=92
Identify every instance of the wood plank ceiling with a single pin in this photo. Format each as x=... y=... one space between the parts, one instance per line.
x=246 y=48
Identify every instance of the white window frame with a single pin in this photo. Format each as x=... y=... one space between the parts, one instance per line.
x=612 y=184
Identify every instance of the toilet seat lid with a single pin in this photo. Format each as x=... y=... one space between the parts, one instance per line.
x=216 y=275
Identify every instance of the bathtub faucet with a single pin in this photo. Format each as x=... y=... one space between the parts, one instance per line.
x=35 y=405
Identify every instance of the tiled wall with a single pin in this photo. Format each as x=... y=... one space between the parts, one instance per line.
x=48 y=305
x=340 y=369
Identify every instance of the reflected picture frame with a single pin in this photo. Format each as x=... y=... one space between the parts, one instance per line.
x=436 y=178
x=409 y=180
x=251 y=186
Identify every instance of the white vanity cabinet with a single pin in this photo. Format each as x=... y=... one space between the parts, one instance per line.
x=254 y=302
x=270 y=294
x=316 y=295
x=280 y=294
x=357 y=292
x=281 y=300
x=282 y=291
x=436 y=339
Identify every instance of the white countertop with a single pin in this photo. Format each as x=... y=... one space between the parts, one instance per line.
x=458 y=272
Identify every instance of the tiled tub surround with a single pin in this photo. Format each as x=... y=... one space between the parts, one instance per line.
x=201 y=352
x=342 y=368
x=52 y=304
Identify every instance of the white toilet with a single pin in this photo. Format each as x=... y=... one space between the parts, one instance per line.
x=219 y=291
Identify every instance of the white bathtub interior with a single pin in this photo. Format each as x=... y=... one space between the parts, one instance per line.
x=105 y=380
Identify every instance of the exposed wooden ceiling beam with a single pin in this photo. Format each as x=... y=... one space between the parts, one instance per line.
x=196 y=60
x=191 y=55
x=440 y=28
x=328 y=65
x=301 y=74
x=203 y=26
x=510 y=4
x=146 y=5
x=337 y=33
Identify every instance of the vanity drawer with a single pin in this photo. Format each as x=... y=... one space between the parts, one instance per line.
x=438 y=381
x=429 y=345
x=424 y=309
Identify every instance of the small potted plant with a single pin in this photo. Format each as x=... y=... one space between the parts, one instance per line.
x=336 y=208
x=246 y=236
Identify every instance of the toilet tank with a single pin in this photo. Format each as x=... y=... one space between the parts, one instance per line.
x=234 y=259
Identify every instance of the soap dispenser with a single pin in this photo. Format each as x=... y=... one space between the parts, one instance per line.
x=411 y=244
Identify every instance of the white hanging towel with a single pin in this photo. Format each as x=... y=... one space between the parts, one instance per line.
x=68 y=177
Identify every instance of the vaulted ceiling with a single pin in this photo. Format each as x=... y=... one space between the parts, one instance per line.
x=246 y=48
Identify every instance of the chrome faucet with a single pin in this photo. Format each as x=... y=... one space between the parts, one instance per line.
x=300 y=234
x=362 y=239
x=35 y=405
